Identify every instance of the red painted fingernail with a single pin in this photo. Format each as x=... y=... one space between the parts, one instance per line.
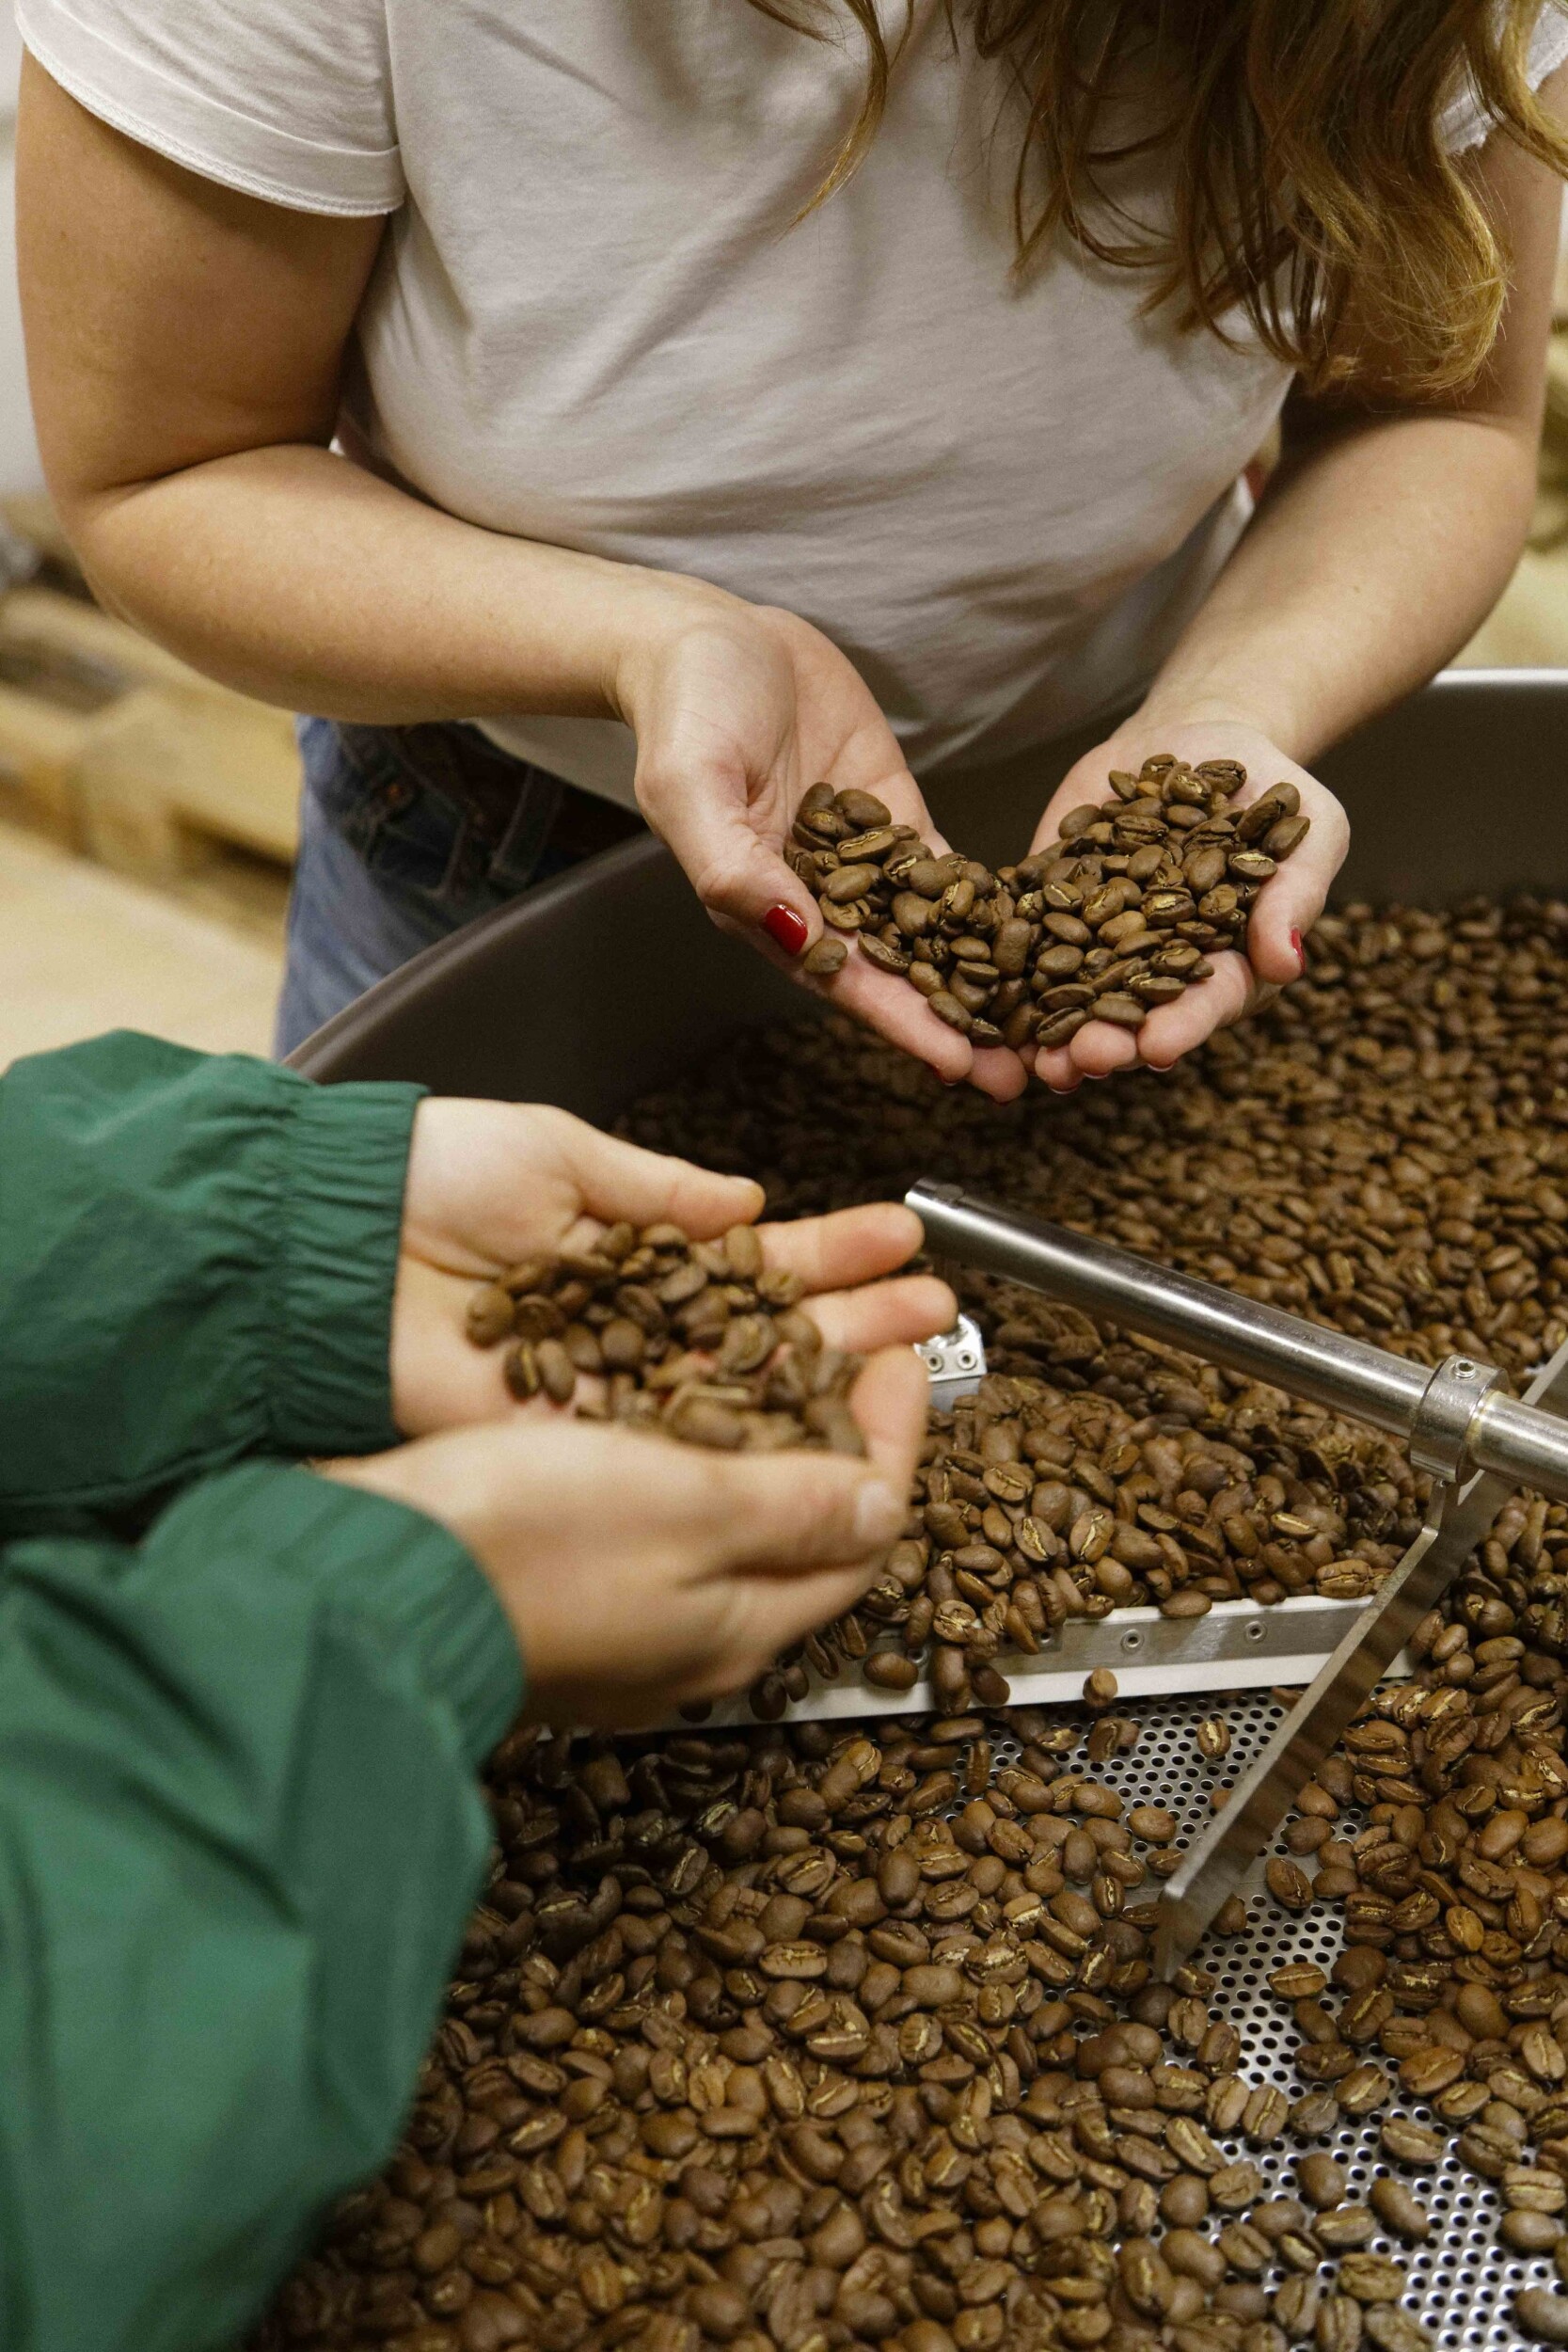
x=1297 y=943
x=786 y=929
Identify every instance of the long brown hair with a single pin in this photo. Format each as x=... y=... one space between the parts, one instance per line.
x=1312 y=189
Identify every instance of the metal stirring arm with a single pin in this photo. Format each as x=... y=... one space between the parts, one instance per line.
x=1215 y=1866
x=1453 y=1414
x=1455 y=1419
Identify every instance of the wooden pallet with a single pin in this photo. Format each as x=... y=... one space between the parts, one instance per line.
x=127 y=754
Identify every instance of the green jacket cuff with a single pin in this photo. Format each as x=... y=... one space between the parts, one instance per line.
x=340 y=1215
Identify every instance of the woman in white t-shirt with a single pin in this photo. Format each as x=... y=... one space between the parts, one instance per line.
x=734 y=393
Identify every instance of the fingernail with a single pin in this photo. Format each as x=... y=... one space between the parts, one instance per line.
x=879 y=1514
x=786 y=929
x=1299 y=946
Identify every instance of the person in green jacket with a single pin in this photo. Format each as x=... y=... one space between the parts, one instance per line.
x=242 y=1702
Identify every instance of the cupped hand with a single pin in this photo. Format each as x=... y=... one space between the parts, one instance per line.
x=737 y=710
x=639 y=1573
x=490 y=1184
x=1283 y=912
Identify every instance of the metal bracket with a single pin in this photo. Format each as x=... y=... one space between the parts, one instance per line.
x=1440 y=1435
x=955 y=1363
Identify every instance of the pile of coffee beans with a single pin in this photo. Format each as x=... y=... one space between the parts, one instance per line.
x=1119 y=915
x=1383 y=1150
x=817 y=2039
x=698 y=1340
x=1037 y=1503
x=814 y=2039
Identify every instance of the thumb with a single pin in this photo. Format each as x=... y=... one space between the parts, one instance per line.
x=792 y=1512
x=615 y=1180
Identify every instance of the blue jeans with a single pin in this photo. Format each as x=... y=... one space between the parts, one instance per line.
x=406 y=833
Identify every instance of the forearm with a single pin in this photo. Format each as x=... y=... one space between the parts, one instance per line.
x=1373 y=558
x=298 y=576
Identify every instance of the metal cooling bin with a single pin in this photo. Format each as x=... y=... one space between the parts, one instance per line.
x=610 y=980
x=1463 y=789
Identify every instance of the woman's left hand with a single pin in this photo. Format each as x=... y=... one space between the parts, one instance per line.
x=1283 y=912
x=490 y=1184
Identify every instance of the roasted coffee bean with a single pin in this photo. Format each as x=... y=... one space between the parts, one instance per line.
x=1542 y=2315
x=1372 y=2278
x=1411 y=2143
x=1321 y=2181
x=826 y=956
x=489 y=1316
x=1343 y=2227
x=1529 y=2233
x=1288 y=1883
x=1393 y=2329
x=1295 y=2305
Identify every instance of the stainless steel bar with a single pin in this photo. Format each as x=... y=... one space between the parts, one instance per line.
x=1242 y=1334
x=1262 y=1343
x=1527 y=1447
x=1215 y=1866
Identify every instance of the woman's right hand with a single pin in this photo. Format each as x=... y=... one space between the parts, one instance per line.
x=737 y=710
x=639 y=1573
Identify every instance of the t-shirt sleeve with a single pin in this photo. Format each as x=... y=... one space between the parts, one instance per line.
x=287 y=99
x=1465 y=121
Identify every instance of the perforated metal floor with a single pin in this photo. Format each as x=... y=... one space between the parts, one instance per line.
x=1461 y=2281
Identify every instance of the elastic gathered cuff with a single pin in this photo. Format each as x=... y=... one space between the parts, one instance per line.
x=340 y=1215
x=400 y=1577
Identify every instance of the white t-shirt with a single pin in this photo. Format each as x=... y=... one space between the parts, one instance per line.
x=593 y=324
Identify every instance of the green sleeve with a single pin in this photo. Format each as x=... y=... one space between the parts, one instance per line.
x=197 y=1261
x=240 y=1832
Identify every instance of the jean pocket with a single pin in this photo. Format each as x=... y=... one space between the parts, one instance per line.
x=406 y=830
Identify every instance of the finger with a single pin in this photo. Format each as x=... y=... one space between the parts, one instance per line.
x=1055 y=1068
x=889 y=1401
x=620 y=1181
x=1287 y=907
x=885 y=1315
x=781 y=1514
x=901 y=1015
x=739 y=876
x=1100 y=1047
x=790 y=1512
x=847 y=1246
x=998 y=1072
x=1172 y=1030
x=768 y=1614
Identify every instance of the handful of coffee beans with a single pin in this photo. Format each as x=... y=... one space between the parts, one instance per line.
x=1120 y=915
x=698 y=1340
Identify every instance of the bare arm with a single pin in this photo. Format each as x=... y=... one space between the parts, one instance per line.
x=186 y=347
x=1387 y=536
x=1384 y=540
